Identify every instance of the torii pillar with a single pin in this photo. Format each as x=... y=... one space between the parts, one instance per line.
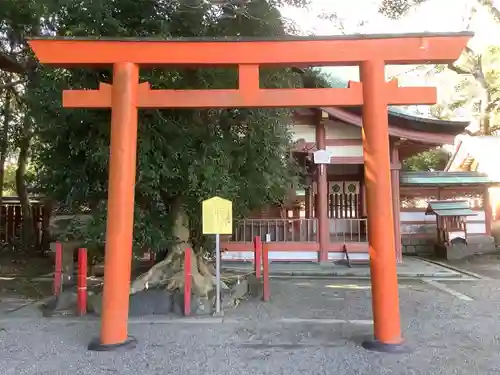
x=379 y=205
x=125 y=96
x=120 y=223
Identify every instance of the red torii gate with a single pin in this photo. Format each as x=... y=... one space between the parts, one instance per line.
x=370 y=52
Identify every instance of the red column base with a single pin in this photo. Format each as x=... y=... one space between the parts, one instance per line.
x=96 y=346
x=377 y=346
x=323 y=257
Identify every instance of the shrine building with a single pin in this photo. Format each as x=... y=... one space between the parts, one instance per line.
x=292 y=228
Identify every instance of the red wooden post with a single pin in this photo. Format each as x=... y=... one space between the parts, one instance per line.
x=381 y=240
x=265 y=272
x=257 y=255
x=58 y=269
x=187 y=282
x=82 y=282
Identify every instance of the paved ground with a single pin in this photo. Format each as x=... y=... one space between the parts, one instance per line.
x=412 y=267
x=309 y=327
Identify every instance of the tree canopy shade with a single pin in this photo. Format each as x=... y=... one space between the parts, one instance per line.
x=184 y=156
x=397 y=8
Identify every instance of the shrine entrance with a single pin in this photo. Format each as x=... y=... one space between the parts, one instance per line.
x=126 y=95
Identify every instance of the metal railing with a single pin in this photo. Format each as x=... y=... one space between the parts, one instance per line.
x=280 y=230
x=348 y=230
x=299 y=230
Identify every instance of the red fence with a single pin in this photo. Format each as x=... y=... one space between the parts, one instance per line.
x=11 y=220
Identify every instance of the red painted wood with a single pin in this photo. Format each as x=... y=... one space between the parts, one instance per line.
x=187 y=282
x=58 y=269
x=299 y=52
x=82 y=282
x=383 y=271
x=257 y=256
x=488 y=211
x=265 y=273
x=221 y=98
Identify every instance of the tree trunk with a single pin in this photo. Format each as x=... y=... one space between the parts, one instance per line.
x=181 y=225
x=4 y=142
x=484 y=105
x=484 y=118
x=28 y=238
x=170 y=271
x=47 y=206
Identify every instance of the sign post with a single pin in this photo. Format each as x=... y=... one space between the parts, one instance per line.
x=217 y=218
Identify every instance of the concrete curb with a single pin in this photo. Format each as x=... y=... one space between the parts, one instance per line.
x=453 y=268
x=352 y=275
x=190 y=321
x=400 y=277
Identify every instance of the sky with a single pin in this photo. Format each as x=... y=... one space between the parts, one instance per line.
x=362 y=16
x=432 y=16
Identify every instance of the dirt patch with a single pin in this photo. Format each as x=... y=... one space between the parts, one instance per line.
x=19 y=276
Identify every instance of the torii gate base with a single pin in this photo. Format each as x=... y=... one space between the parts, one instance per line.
x=126 y=95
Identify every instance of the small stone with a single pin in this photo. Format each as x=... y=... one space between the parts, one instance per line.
x=202 y=306
x=147 y=302
x=254 y=286
x=150 y=302
x=199 y=305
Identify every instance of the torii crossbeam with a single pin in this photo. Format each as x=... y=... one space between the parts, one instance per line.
x=126 y=95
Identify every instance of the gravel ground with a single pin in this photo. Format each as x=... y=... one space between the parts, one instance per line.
x=448 y=335
x=486 y=265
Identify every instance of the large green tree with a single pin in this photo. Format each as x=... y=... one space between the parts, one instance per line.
x=184 y=156
x=17 y=73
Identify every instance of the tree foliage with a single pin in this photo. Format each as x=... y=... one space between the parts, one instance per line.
x=432 y=160
x=183 y=156
x=477 y=88
x=396 y=9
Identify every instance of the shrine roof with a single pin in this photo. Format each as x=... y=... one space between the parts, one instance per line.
x=449 y=208
x=404 y=118
x=442 y=178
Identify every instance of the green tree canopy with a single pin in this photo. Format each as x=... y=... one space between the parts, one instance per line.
x=184 y=156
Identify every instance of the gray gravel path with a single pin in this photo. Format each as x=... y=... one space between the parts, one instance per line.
x=449 y=336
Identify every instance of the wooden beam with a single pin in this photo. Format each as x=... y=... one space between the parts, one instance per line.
x=248 y=96
x=260 y=98
x=393 y=49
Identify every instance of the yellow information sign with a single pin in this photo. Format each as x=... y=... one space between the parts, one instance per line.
x=217 y=216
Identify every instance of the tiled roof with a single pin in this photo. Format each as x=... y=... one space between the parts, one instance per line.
x=445 y=179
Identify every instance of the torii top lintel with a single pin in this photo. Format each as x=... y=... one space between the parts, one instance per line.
x=249 y=55
x=319 y=51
